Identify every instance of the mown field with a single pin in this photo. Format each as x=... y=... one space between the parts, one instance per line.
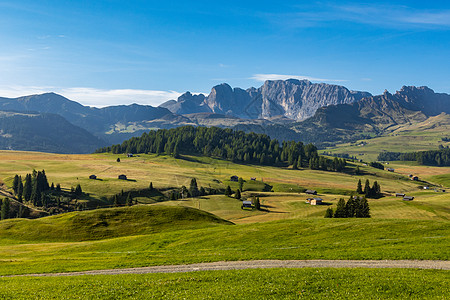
x=241 y=284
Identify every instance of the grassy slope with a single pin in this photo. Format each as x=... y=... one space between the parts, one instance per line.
x=256 y=284
x=287 y=239
x=163 y=171
x=405 y=138
x=106 y=223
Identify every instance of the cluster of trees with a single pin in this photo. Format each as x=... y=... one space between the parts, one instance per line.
x=368 y=191
x=236 y=146
x=355 y=207
x=439 y=158
x=35 y=190
x=377 y=165
x=192 y=191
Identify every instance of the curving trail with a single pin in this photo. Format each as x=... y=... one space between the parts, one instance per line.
x=263 y=264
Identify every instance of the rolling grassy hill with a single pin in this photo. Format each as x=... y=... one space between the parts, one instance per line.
x=107 y=223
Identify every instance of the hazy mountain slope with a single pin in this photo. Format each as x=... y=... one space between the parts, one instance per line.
x=96 y=120
x=44 y=132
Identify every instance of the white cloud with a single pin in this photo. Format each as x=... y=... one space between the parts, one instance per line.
x=96 y=97
x=380 y=15
x=264 y=77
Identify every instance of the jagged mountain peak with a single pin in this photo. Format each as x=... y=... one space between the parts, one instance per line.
x=291 y=98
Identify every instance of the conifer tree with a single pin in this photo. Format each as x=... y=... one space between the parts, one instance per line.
x=151 y=186
x=350 y=207
x=129 y=200
x=367 y=189
x=15 y=184
x=193 y=188
x=340 y=209
x=4 y=211
x=228 y=191
x=78 y=190
x=241 y=183
x=20 y=189
x=329 y=213
x=58 y=188
x=237 y=194
x=363 y=210
x=359 y=189
x=257 y=203
x=27 y=188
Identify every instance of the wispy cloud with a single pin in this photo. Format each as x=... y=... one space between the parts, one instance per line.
x=391 y=16
x=96 y=97
x=264 y=77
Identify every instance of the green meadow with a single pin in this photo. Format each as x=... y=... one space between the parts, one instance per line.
x=241 y=284
x=215 y=228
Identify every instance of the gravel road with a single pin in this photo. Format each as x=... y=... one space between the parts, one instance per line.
x=263 y=264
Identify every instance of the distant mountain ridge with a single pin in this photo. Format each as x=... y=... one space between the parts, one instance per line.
x=44 y=132
x=287 y=110
x=294 y=99
x=373 y=115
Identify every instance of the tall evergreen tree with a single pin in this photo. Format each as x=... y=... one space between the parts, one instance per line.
x=15 y=184
x=340 y=209
x=151 y=186
x=20 y=189
x=5 y=209
x=350 y=207
x=129 y=200
x=27 y=188
x=329 y=213
x=78 y=190
x=359 y=189
x=363 y=210
x=228 y=191
x=193 y=188
x=367 y=189
x=257 y=203
x=241 y=183
x=237 y=195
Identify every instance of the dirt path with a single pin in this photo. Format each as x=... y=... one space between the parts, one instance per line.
x=263 y=264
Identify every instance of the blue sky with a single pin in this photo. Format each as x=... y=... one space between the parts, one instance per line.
x=118 y=52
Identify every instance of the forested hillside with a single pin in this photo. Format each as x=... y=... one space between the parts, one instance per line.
x=236 y=146
x=440 y=158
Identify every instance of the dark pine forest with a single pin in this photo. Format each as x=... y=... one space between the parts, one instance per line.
x=227 y=144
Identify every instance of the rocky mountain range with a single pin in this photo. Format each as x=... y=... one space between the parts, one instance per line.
x=287 y=110
x=293 y=99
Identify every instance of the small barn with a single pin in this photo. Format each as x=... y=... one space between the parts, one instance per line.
x=308 y=200
x=92 y=177
x=234 y=178
x=129 y=154
x=399 y=195
x=253 y=178
x=390 y=169
x=408 y=198
x=316 y=201
x=415 y=178
x=247 y=203
x=311 y=192
x=122 y=177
